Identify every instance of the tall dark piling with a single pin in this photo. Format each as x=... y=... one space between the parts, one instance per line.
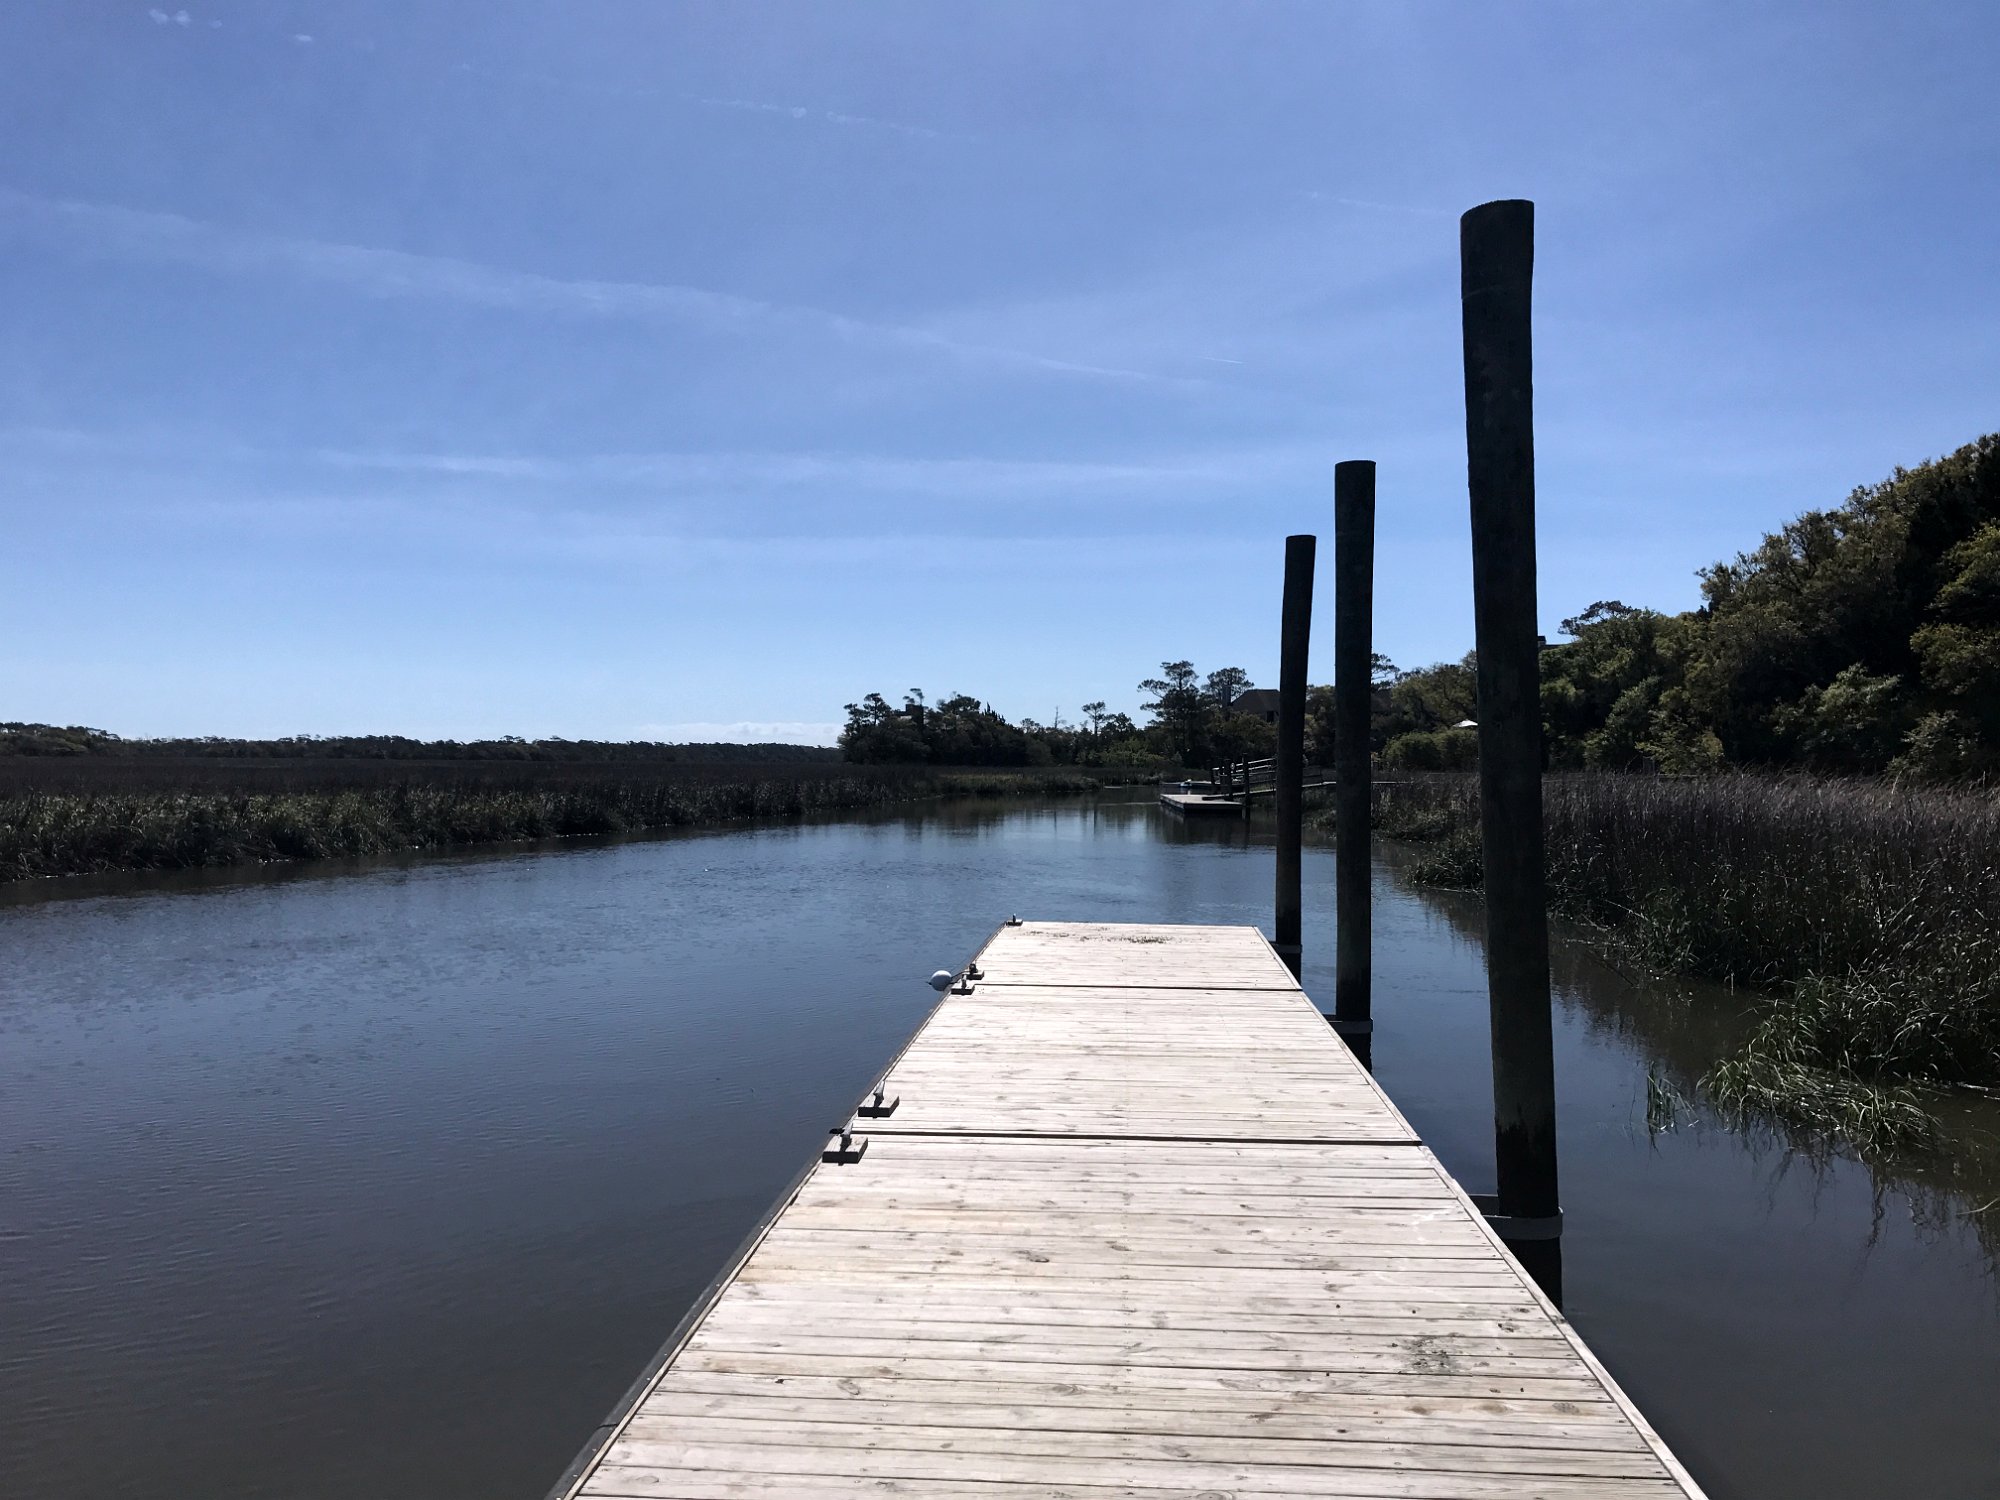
x=1353 y=767
x=1295 y=631
x=1497 y=257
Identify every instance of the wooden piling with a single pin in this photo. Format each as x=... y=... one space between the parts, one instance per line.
x=1295 y=630
x=1353 y=768
x=1497 y=253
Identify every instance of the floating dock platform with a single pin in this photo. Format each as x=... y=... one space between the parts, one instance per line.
x=1126 y=1219
x=1200 y=804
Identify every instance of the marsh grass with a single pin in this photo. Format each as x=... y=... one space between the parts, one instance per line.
x=1667 y=1108
x=297 y=812
x=1014 y=783
x=1867 y=916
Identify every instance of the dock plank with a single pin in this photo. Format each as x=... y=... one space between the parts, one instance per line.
x=1138 y=1226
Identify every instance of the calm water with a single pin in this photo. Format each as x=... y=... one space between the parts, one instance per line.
x=387 y=1181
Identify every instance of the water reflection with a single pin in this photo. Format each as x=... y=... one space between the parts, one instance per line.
x=1683 y=1027
x=387 y=1179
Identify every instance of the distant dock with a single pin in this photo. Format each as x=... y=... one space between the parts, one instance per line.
x=1127 y=1218
x=1201 y=804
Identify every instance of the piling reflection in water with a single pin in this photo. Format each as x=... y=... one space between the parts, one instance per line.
x=287 y=1149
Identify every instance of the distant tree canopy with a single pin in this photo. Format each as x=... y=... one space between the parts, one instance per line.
x=1865 y=637
x=1859 y=640
x=955 y=731
x=1862 y=639
x=1190 y=723
x=48 y=739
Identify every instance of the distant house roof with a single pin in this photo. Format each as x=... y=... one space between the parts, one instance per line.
x=1260 y=703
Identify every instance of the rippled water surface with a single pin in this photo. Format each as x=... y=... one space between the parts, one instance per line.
x=387 y=1180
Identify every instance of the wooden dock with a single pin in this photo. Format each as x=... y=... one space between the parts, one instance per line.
x=1137 y=1225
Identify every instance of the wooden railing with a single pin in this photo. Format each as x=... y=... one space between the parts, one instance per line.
x=1237 y=778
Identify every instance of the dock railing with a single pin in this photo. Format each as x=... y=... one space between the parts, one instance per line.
x=1257 y=778
x=1239 y=778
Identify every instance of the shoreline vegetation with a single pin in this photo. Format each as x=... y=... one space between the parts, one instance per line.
x=1861 y=640
x=1863 y=918
x=66 y=816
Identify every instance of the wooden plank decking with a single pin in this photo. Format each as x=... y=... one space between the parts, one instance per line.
x=1138 y=1226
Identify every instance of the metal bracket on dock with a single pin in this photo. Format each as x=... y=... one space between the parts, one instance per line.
x=1511 y=1227
x=974 y=972
x=964 y=985
x=1013 y=921
x=846 y=1149
x=875 y=1106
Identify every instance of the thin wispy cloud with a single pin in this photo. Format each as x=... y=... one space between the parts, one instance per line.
x=801 y=113
x=152 y=236
x=649 y=540
x=1157 y=475
x=851 y=472
x=1373 y=205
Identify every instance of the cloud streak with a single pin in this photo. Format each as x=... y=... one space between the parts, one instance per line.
x=151 y=236
x=845 y=473
x=645 y=543
x=1194 y=474
x=801 y=113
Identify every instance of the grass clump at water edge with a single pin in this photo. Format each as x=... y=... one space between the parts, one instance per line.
x=92 y=829
x=1867 y=917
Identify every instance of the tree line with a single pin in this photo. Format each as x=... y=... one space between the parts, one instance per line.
x=1192 y=720
x=18 y=738
x=1862 y=639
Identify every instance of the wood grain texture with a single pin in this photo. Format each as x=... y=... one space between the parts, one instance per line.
x=1140 y=1227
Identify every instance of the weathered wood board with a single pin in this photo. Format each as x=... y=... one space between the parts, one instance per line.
x=1138 y=1226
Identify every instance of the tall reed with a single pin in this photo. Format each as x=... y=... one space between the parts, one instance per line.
x=1870 y=912
x=67 y=830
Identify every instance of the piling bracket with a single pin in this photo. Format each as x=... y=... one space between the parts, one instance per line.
x=844 y=1148
x=1517 y=1227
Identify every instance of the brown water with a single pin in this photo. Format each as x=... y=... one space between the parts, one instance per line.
x=386 y=1180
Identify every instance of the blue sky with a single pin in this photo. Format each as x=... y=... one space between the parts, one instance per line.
x=650 y=369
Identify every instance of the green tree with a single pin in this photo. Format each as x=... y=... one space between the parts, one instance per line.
x=1427 y=699
x=1180 y=710
x=1225 y=686
x=1241 y=737
x=1958 y=657
x=877 y=734
x=1845 y=597
x=1602 y=691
